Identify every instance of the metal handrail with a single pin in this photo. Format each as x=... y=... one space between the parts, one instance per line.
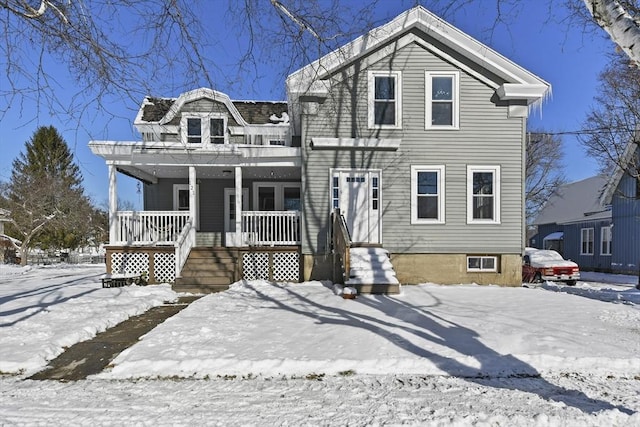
x=341 y=241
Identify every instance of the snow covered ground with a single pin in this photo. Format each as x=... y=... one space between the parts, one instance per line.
x=298 y=354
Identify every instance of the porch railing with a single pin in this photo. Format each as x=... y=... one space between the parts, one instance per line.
x=184 y=243
x=150 y=227
x=271 y=227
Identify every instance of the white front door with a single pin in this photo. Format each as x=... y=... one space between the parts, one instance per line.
x=357 y=194
x=230 y=213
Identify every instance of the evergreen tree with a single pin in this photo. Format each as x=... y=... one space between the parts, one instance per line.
x=45 y=195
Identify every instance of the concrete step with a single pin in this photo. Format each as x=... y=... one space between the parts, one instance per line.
x=372 y=278
x=371 y=271
x=384 y=289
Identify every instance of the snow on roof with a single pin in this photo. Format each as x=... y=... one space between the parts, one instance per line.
x=574 y=202
x=161 y=110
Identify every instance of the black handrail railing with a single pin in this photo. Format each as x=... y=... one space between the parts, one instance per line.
x=341 y=241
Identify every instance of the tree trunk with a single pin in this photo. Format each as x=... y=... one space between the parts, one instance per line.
x=615 y=20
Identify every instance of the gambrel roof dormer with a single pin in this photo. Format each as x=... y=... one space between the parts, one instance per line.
x=201 y=93
x=513 y=85
x=211 y=109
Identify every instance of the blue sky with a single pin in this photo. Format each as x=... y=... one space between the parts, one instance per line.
x=561 y=54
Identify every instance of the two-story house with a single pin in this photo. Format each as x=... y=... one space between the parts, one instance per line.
x=398 y=158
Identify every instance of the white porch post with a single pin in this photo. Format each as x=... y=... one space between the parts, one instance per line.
x=113 y=204
x=193 y=208
x=238 y=206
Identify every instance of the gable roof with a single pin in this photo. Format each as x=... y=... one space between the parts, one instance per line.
x=162 y=110
x=575 y=202
x=627 y=157
x=517 y=83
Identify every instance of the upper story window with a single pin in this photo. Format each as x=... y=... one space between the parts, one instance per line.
x=216 y=131
x=427 y=194
x=483 y=194
x=385 y=100
x=442 y=100
x=203 y=128
x=194 y=131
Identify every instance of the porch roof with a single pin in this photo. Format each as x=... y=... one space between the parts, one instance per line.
x=150 y=161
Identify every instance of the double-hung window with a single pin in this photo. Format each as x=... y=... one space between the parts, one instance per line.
x=427 y=194
x=194 y=130
x=385 y=100
x=605 y=239
x=203 y=128
x=442 y=94
x=586 y=241
x=216 y=131
x=483 y=194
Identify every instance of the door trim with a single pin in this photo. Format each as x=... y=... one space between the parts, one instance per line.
x=373 y=212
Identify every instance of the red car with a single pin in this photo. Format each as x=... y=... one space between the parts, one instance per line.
x=540 y=265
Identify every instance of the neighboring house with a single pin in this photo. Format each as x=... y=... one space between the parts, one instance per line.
x=576 y=223
x=623 y=194
x=410 y=139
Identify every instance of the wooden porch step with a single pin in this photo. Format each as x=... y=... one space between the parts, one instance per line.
x=207 y=270
x=195 y=288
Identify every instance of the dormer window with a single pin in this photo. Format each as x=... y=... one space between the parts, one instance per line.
x=203 y=128
x=216 y=131
x=194 y=131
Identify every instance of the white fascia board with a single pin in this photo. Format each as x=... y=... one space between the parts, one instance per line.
x=437 y=28
x=223 y=154
x=523 y=91
x=111 y=150
x=198 y=94
x=259 y=152
x=264 y=129
x=356 y=143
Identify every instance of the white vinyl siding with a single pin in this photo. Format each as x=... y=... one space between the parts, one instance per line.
x=487 y=136
x=441 y=105
x=427 y=194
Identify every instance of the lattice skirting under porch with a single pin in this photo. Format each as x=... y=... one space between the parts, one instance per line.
x=271 y=265
x=159 y=263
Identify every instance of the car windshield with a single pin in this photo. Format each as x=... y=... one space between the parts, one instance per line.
x=541 y=256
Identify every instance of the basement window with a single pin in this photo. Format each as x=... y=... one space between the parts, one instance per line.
x=482 y=264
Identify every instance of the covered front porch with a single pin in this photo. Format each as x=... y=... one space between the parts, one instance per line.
x=189 y=200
